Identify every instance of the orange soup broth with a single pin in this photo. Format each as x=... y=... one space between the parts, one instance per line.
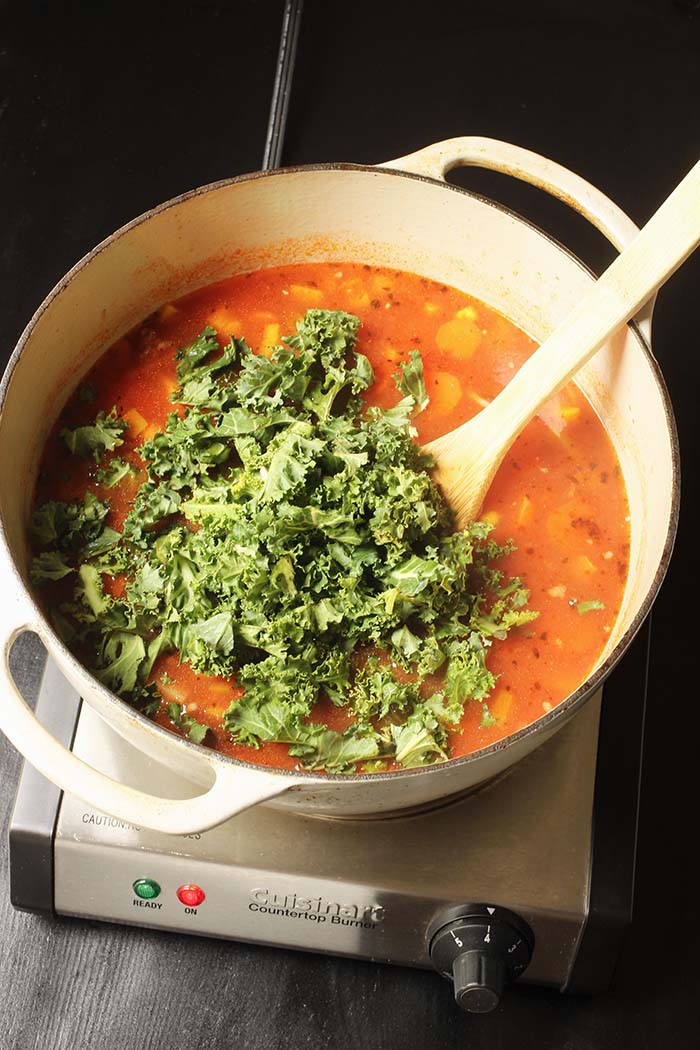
x=559 y=494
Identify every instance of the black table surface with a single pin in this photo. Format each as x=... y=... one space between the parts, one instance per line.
x=109 y=108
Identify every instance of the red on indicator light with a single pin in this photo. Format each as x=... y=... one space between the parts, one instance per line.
x=191 y=895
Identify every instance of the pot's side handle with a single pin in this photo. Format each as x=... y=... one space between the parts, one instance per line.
x=234 y=789
x=437 y=160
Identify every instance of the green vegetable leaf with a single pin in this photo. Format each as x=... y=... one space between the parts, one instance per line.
x=411 y=381
x=116 y=470
x=69 y=526
x=49 y=565
x=284 y=531
x=195 y=730
x=584 y=607
x=335 y=752
x=100 y=437
x=119 y=661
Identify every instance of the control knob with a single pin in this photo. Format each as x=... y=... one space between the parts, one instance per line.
x=481 y=948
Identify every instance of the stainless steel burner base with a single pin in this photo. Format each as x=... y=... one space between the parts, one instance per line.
x=552 y=841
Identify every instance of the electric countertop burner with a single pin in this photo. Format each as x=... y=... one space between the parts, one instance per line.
x=528 y=878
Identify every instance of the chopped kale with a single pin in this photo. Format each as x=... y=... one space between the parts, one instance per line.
x=281 y=529
x=584 y=607
x=105 y=434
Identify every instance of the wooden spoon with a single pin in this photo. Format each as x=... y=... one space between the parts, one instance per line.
x=466 y=459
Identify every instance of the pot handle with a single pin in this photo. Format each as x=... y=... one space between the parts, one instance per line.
x=234 y=788
x=437 y=160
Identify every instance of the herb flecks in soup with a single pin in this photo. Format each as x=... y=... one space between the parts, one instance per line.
x=247 y=544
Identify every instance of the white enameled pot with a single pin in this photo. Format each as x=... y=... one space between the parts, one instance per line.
x=401 y=214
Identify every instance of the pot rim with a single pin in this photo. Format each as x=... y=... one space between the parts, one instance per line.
x=562 y=710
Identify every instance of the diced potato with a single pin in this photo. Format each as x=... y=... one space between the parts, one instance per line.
x=467 y=312
x=135 y=422
x=219 y=696
x=224 y=321
x=219 y=691
x=491 y=517
x=167 y=312
x=526 y=512
x=306 y=294
x=270 y=339
x=584 y=566
x=459 y=337
x=355 y=292
x=171 y=691
x=431 y=308
x=557 y=592
x=445 y=392
x=546 y=706
x=500 y=704
x=569 y=413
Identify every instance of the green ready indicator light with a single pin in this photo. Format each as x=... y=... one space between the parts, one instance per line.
x=146 y=889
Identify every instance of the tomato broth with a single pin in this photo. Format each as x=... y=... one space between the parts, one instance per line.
x=559 y=494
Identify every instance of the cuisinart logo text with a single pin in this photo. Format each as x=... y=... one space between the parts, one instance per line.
x=315 y=909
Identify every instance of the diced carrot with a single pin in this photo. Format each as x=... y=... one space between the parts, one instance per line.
x=167 y=312
x=569 y=412
x=500 y=704
x=491 y=517
x=306 y=294
x=467 y=312
x=149 y=433
x=135 y=422
x=170 y=386
x=460 y=337
x=526 y=512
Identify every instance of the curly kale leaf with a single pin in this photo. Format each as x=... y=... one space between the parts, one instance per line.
x=282 y=534
x=105 y=434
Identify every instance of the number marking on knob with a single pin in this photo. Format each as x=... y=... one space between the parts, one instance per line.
x=487 y=938
x=456 y=939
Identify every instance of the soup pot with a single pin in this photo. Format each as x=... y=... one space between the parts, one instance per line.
x=400 y=214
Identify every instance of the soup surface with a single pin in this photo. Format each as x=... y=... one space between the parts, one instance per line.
x=559 y=495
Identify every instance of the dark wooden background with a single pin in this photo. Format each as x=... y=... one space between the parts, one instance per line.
x=108 y=108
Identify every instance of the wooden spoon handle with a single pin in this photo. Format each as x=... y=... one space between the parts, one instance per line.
x=659 y=249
